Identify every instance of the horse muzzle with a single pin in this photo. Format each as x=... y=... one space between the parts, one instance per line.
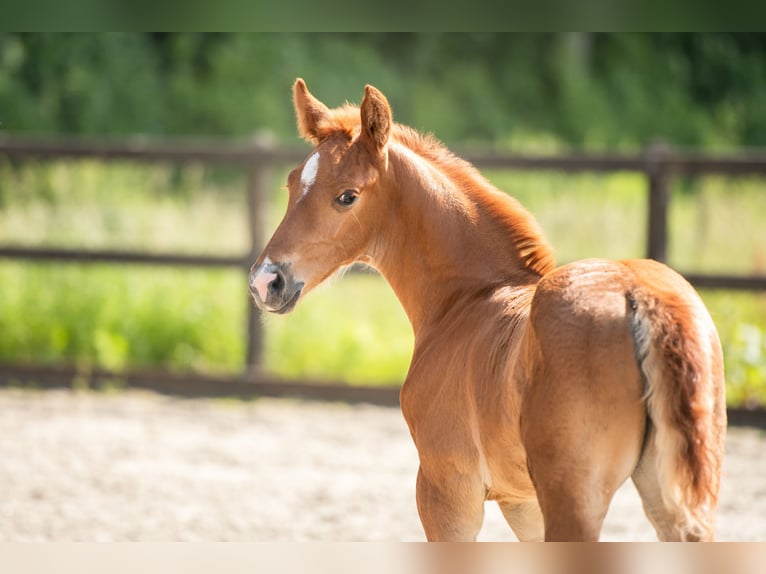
x=274 y=287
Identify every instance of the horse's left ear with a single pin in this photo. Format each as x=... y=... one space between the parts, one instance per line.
x=376 y=120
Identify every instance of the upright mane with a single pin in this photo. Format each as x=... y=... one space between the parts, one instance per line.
x=533 y=251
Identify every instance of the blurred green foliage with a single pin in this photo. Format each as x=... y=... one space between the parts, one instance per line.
x=115 y=318
x=353 y=329
x=521 y=91
x=596 y=91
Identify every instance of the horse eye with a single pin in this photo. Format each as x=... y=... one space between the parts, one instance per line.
x=347 y=198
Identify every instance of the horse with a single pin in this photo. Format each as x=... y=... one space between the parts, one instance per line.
x=542 y=388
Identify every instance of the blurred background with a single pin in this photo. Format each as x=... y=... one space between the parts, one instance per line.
x=519 y=93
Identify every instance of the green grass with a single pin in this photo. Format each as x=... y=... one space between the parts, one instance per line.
x=352 y=329
x=741 y=322
x=116 y=317
x=583 y=215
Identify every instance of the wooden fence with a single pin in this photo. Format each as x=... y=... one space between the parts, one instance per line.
x=659 y=164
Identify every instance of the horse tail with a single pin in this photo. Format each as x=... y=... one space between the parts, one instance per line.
x=680 y=358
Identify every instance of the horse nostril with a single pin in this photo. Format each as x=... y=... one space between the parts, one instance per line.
x=267 y=281
x=277 y=285
x=274 y=288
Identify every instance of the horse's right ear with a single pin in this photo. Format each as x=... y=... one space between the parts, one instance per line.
x=309 y=112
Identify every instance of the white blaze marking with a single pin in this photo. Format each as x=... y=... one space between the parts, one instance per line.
x=309 y=173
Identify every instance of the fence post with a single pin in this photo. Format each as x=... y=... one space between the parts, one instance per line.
x=659 y=201
x=258 y=179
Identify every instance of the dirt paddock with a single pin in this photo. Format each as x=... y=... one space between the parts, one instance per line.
x=136 y=466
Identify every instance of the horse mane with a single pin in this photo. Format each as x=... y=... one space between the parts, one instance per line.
x=533 y=250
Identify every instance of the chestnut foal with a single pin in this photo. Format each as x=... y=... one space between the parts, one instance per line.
x=540 y=387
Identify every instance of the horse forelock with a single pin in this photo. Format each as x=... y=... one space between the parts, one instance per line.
x=340 y=121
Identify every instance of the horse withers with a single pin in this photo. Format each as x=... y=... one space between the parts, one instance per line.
x=540 y=387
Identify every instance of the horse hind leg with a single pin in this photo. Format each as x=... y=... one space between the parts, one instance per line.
x=577 y=470
x=666 y=518
x=672 y=519
x=574 y=508
x=525 y=519
x=583 y=430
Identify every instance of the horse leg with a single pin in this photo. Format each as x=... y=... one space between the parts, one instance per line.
x=665 y=518
x=649 y=488
x=579 y=452
x=525 y=519
x=573 y=503
x=452 y=510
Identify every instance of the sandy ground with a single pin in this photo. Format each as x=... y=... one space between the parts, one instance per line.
x=135 y=466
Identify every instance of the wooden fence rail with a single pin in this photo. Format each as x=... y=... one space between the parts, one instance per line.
x=258 y=158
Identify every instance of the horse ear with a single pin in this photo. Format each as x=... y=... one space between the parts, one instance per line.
x=309 y=112
x=376 y=119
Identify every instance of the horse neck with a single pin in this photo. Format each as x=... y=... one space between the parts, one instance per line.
x=449 y=237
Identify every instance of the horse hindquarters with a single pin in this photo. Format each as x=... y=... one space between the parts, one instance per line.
x=582 y=417
x=615 y=345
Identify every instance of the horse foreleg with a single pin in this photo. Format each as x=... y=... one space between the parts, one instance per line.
x=451 y=510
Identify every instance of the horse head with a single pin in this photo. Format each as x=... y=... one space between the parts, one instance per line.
x=335 y=194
